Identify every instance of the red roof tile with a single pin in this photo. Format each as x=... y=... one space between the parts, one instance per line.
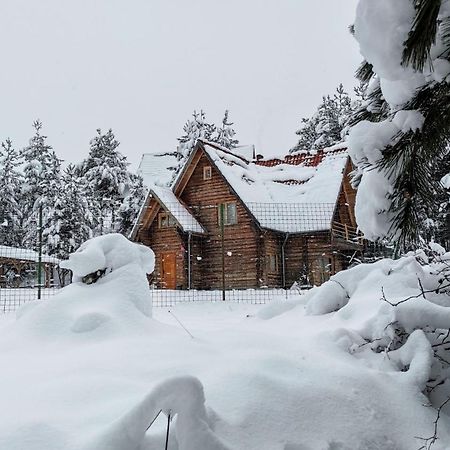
x=307 y=159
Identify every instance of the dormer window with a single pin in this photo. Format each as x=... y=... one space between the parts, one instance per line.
x=207 y=172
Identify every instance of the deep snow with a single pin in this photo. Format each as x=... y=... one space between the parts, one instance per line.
x=89 y=369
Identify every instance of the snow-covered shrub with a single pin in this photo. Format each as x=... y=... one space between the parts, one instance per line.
x=400 y=307
x=180 y=397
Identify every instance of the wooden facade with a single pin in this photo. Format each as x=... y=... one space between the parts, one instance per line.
x=247 y=255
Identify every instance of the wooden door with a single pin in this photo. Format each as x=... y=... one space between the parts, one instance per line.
x=169 y=270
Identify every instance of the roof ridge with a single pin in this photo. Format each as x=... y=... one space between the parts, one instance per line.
x=224 y=150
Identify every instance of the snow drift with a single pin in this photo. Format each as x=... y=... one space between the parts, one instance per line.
x=399 y=308
x=91 y=369
x=182 y=397
x=121 y=297
x=116 y=306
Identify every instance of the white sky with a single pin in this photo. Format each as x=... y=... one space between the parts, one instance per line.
x=142 y=67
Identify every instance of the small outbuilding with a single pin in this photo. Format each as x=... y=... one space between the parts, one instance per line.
x=19 y=268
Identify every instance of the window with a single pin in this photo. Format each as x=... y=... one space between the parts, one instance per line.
x=229 y=213
x=272 y=263
x=207 y=172
x=166 y=220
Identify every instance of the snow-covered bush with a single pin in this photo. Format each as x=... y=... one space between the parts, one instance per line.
x=180 y=397
x=400 y=307
x=395 y=316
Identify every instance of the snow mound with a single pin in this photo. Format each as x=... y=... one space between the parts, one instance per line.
x=117 y=303
x=393 y=306
x=182 y=397
x=110 y=252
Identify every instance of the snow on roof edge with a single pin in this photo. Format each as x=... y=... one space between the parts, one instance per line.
x=180 y=213
x=25 y=254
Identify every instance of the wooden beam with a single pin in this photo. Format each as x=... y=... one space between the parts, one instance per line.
x=189 y=170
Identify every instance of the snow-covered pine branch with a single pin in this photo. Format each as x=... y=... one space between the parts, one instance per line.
x=400 y=136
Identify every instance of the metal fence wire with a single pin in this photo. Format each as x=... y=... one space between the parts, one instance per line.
x=26 y=273
x=253 y=253
x=170 y=297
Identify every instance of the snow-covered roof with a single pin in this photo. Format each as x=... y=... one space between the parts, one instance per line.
x=304 y=188
x=296 y=194
x=157 y=168
x=180 y=213
x=24 y=254
x=246 y=151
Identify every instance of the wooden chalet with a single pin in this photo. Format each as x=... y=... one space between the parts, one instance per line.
x=250 y=224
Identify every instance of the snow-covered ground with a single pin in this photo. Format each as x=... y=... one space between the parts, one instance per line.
x=91 y=368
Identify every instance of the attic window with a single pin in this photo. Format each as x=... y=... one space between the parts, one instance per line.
x=207 y=172
x=166 y=220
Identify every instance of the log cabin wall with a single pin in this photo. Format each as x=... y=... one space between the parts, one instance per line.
x=309 y=258
x=165 y=241
x=197 y=262
x=271 y=260
x=240 y=240
x=296 y=259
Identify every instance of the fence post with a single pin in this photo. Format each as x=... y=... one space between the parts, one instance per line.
x=189 y=260
x=283 y=260
x=39 y=268
x=222 y=231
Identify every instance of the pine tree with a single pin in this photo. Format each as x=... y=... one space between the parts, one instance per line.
x=41 y=183
x=224 y=135
x=131 y=204
x=197 y=128
x=10 y=187
x=69 y=221
x=106 y=175
x=328 y=125
x=37 y=160
x=409 y=160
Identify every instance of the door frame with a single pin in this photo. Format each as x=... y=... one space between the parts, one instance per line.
x=164 y=282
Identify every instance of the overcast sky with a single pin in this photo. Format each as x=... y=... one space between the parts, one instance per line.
x=142 y=66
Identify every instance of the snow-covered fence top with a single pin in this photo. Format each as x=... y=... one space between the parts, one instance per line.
x=25 y=254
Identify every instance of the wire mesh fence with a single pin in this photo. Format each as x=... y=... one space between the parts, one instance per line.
x=169 y=297
x=252 y=253
x=232 y=246
x=26 y=273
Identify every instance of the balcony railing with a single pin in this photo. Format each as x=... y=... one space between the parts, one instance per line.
x=347 y=233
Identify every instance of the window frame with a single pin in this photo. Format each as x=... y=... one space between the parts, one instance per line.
x=272 y=263
x=170 y=221
x=207 y=173
x=226 y=214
